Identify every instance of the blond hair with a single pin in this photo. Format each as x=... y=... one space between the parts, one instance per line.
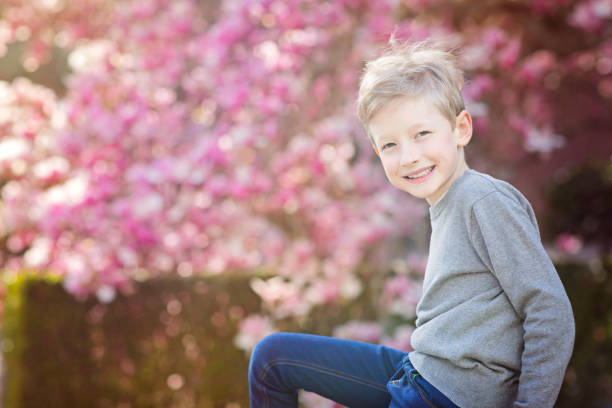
x=412 y=69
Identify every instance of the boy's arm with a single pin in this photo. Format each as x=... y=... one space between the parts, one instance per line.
x=507 y=239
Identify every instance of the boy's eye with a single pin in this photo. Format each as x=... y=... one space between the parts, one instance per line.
x=388 y=145
x=423 y=133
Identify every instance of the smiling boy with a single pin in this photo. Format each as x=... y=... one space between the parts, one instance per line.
x=494 y=325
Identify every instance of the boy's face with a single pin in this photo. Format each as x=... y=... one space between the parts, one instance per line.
x=420 y=152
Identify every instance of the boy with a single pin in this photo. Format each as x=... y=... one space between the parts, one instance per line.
x=494 y=326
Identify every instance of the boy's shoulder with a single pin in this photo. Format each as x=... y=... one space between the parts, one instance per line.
x=477 y=187
x=475 y=191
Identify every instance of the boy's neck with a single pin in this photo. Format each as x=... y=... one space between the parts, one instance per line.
x=462 y=167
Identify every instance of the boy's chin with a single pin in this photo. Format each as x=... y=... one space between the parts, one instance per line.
x=415 y=194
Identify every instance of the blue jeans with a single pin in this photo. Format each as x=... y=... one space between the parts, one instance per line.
x=352 y=373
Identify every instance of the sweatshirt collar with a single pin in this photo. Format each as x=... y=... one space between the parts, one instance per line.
x=443 y=202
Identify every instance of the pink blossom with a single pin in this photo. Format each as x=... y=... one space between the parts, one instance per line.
x=569 y=243
x=536 y=65
x=360 y=331
x=252 y=329
x=418 y=4
x=592 y=15
x=508 y=56
x=493 y=37
x=542 y=140
x=401 y=295
x=400 y=340
x=478 y=86
x=312 y=400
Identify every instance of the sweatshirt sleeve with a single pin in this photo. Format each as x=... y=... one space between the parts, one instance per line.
x=505 y=234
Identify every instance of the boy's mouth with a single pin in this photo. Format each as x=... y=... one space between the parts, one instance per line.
x=420 y=176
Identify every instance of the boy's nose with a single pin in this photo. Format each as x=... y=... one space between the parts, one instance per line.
x=409 y=156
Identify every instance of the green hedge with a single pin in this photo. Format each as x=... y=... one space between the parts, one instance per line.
x=60 y=352
x=588 y=381
x=167 y=345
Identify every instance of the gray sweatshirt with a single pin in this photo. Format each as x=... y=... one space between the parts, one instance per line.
x=494 y=325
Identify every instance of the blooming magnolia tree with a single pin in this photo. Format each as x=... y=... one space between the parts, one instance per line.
x=189 y=143
x=206 y=137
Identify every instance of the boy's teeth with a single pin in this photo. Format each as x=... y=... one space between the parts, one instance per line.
x=421 y=174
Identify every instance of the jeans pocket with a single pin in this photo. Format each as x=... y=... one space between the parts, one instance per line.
x=431 y=394
x=406 y=392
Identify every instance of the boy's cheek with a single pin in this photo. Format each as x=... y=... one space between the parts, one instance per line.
x=389 y=162
x=389 y=173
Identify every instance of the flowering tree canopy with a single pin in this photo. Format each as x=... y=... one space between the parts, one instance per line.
x=205 y=137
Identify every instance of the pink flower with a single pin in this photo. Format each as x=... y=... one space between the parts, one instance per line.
x=592 y=15
x=509 y=54
x=251 y=330
x=400 y=339
x=569 y=243
x=536 y=65
x=478 y=86
x=401 y=295
x=360 y=331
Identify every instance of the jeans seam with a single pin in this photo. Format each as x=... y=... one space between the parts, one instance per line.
x=420 y=391
x=316 y=367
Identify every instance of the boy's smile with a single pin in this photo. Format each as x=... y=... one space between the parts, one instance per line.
x=420 y=151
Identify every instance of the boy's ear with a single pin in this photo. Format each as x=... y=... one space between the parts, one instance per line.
x=463 y=127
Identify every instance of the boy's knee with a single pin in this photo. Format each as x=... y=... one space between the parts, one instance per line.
x=268 y=348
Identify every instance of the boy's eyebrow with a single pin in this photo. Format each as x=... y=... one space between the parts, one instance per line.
x=416 y=125
x=410 y=129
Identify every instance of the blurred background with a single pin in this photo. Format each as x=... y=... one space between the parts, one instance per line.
x=180 y=178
